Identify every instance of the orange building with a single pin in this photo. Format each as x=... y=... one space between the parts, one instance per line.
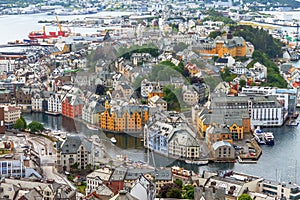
x=72 y=106
x=130 y=118
x=235 y=46
x=153 y=93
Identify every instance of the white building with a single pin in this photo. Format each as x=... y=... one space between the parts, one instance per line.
x=156 y=101
x=279 y=190
x=7 y=65
x=263 y=110
x=91 y=112
x=170 y=135
x=54 y=104
x=143 y=189
x=96 y=179
x=147 y=87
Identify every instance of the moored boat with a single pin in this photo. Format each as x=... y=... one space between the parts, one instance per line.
x=113 y=140
x=92 y=127
x=197 y=162
x=263 y=137
x=292 y=123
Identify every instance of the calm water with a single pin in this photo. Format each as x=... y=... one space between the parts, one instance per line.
x=280 y=161
x=17 y=27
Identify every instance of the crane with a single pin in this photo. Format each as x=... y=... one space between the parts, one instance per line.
x=59 y=25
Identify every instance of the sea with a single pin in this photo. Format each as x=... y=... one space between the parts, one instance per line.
x=280 y=162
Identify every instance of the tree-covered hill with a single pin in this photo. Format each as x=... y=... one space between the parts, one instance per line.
x=260 y=38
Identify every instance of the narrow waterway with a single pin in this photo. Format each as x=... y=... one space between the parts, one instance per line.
x=279 y=162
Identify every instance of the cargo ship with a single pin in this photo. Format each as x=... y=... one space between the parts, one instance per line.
x=35 y=35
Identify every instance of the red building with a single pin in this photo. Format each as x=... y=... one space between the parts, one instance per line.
x=72 y=106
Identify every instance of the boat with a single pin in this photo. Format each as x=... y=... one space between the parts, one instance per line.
x=52 y=113
x=197 y=162
x=292 y=123
x=35 y=35
x=113 y=140
x=263 y=137
x=92 y=127
x=269 y=138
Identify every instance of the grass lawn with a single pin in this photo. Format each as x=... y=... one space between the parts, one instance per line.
x=81 y=188
x=212 y=81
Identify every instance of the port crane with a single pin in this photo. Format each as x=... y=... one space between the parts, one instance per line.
x=34 y=35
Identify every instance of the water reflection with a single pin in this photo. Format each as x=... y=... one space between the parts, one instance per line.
x=278 y=161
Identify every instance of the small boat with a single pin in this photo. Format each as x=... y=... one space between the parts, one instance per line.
x=292 y=123
x=263 y=137
x=92 y=127
x=113 y=140
x=269 y=138
x=52 y=113
x=197 y=162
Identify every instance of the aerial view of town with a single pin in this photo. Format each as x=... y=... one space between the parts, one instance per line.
x=144 y=100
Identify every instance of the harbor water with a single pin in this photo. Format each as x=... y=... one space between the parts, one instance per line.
x=280 y=162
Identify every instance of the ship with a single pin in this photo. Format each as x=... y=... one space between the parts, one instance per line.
x=197 y=162
x=263 y=137
x=92 y=127
x=113 y=140
x=35 y=35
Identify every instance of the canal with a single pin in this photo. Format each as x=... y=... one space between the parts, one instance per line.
x=280 y=162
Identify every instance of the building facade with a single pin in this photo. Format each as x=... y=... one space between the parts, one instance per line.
x=11 y=114
x=76 y=152
x=72 y=106
x=130 y=118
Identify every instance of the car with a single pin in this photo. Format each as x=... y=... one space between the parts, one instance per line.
x=252 y=154
x=50 y=181
x=252 y=150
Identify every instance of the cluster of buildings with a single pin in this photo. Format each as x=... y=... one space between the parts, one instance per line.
x=169 y=134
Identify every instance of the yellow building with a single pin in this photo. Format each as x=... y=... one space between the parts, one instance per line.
x=235 y=46
x=124 y=119
x=236 y=123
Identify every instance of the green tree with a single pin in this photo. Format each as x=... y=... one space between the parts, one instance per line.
x=242 y=83
x=178 y=182
x=188 y=192
x=174 y=193
x=244 y=197
x=215 y=34
x=180 y=46
x=20 y=124
x=35 y=126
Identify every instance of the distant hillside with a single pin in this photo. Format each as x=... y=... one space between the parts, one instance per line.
x=20 y=2
x=272 y=3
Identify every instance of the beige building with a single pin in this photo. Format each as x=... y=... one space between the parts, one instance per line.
x=223 y=150
x=190 y=96
x=11 y=114
x=157 y=101
x=76 y=152
x=234 y=184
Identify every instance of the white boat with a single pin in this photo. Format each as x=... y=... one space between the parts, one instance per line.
x=197 y=162
x=113 y=140
x=263 y=137
x=92 y=127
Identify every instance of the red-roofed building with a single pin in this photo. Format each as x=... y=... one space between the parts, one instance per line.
x=72 y=106
x=296 y=84
x=193 y=69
